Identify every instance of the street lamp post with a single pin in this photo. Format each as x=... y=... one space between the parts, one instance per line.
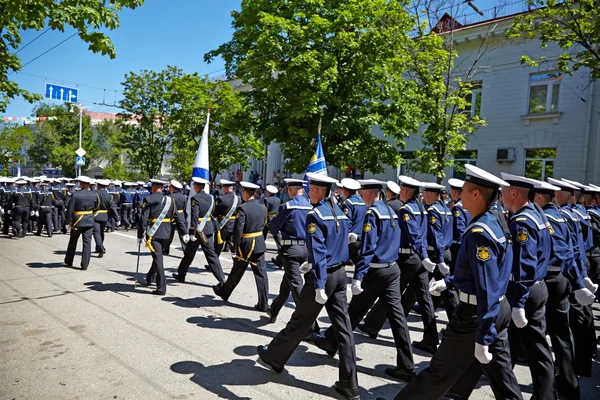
x=81 y=108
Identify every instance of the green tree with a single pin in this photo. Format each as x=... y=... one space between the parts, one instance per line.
x=56 y=140
x=336 y=59
x=12 y=139
x=87 y=17
x=110 y=140
x=231 y=138
x=571 y=24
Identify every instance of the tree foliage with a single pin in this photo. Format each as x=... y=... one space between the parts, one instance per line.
x=12 y=139
x=87 y=17
x=571 y=24
x=110 y=140
x=336 y=59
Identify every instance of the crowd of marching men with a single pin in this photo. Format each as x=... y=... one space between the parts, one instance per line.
x=510 y=259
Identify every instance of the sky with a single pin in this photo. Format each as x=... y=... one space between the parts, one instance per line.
x=160 y=33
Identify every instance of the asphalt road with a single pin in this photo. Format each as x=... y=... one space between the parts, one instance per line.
x=72 y=334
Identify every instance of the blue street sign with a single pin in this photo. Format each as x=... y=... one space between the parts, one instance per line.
x=62 y=93
x=79 y=161
x=51 y=171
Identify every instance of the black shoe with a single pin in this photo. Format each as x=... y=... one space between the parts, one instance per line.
x=257 y=308
x=424 y=347
x=401 y=374
x=219 y=292
x=272 y=317
x=84 y=268
x=363 y=328
x=158 y=292
x=416 y=308
x=264 y=357
x=64 y=231
x=69 y=265
x=321 y=342
x=208 y=268
x=100 y=254
x=49 y=235
x=351 y=394
x=149 y=280
x=178 y=278
x=38 y=234
x=274 y=261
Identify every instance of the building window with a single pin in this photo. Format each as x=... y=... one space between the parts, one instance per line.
x=544 y=90
x=462 y=158
x=407 y=156
x=474 y=100
x=539 y=163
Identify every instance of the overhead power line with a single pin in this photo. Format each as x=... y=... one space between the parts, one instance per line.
x=47 y=51
x=36 y=38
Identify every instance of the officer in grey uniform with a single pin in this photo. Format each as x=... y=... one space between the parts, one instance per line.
x=327 y=232
x=156 y=221
x=80 y=218
x=45 y=200
x=105 y=210
x=249 y=248
x=225 y=213
x=180 y=200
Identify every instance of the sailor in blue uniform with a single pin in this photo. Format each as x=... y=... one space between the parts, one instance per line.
x=325 y=285
x=290 y=222
x=439 y=240
x=581 y=316
x=127 y=198
x=20 y=203
x=460 y=219
x=377 y=275
x=591 y=195
x=415 y=266
x=476 y=338
x=355 y=209
x=392 y=195
x=562 y=274
x=527 y=291
x=581 y=212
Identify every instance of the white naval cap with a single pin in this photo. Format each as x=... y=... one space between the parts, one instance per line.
x=350 y=184
x=294 y=182
x=594 y=186
x=249 y=186
x=43 y=183
x=140 y=183
x=393 y=187
x=103 y=182
x=176 y=184
x=483 y=178
x=158 y=182
x=21 y=182
x=563 y=185
x=409 y=182
x=590 y=189
x=117 y=183
x=225 y=182
x=84 y=179
x=371 y=184
x=574 y=183
x=544 y=187
x=320 y=179
x=201 y=181
x=456 y=183
x=517 y=180
x=272 y=189
x=433 y=187
x=70 y=184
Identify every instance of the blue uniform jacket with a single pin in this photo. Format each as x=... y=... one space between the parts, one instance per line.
x=127 y=196
x=291 y=219
x=380 y=241
x=326 y=246
x=483 y=267
x=439 y=229
x=140 y=195
x=355 y=209
x=562 y=248
x=460 y=221
x=531 y=252
x=586 y=228
x=414 y=228
x=575 y=231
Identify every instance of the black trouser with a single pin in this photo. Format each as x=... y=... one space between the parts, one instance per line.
x=225 y=237
x=7 y=222
x=414 y=284
x=354 y=251
x=209 y=253
x=292 y=282
x=99 y=227
x=157 y=268
x=112 y=223
x=127 y=216
x=584 y=336
x=257 y=262
x=594 y=268
x=20 y=215
x=86 y=233
x=45 y=219
x=557 y=326
x=32 y=223
x=382 y=283
x=455 y=361
x=167 y=249
x=307 y=310
x=532 y=338
x=449 y=296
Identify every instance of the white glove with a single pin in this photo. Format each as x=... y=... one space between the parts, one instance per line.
x=140 y=241
x=31 y=214
x=444 y=269
x=37 y=213
x=193 y=238
x=320 y=296
x=437 y=287
x=591 y=286
x=584 y=296
x=185 y=238
x=352 y=237
x=118 y=223
x=428 y=264
x=9 y=212
x=356 y=287
x=1 y=210
x=305 y=267
x=518 y=317
x=482 y=353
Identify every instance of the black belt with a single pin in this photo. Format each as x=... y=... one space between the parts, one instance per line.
x=292 y=242
x=381 y=265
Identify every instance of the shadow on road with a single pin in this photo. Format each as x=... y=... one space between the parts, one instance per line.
x=235 y=324
x=51 y=265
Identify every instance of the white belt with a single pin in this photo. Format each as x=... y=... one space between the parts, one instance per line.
x=554 y=268
x=381 y=265
x=405 y=251
x=292 y=242
x=471 y=298
x=430 y=248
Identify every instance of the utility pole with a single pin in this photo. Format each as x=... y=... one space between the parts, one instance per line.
x=80 y=108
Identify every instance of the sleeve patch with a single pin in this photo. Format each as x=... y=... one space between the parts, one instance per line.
x=406 y=217
x=367 y=227
x=457 y=213
x=432 y=220
x=477 y=230
x=345 y=211
x=312 y=228
x=483 y=253
x=522 y=236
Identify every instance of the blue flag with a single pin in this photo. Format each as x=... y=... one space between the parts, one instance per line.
x=317 y=163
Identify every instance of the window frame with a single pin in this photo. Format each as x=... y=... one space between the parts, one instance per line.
x=471 y=161
x=549 y=93
x=544 y=161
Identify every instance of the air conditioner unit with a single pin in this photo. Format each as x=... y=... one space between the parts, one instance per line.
x=506 y=155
